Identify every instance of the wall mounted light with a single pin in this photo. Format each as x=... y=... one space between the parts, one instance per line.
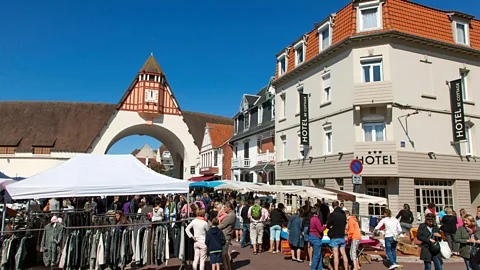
x=432 y=155
x=340 y=155
x=311 y=159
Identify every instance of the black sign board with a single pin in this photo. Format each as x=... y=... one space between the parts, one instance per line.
x=192 y=169
x=458 y=115
x=304 y=130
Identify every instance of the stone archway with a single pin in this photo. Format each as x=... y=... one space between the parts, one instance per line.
x=170 y=130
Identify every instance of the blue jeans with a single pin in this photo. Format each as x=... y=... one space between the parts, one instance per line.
x=436 y=263
x=246 y=229
x=391 y=247
x=467 y=263
x=275 y=233
x=316 y=243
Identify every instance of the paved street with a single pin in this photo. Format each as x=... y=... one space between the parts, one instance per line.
x=244 y=259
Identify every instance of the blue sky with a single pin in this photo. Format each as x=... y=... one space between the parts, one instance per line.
x=211 y=51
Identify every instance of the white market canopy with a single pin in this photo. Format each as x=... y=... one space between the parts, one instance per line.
x=89 y=175
x=303 y=191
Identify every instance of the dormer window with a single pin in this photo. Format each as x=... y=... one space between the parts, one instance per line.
x=282 y=64
x=369 y=16
x=41 y=150
x=461 y=33
x=299 y=52
x=247 y=121
x=325 y=36
x=7 y=150
x=235 y=126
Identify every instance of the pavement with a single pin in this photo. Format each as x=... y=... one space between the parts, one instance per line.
x=243 y=258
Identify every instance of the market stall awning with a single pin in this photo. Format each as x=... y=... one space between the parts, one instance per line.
x=89 y=175
x=208 y=184
x=201 y=178
x=358 y=197
x=263 y=167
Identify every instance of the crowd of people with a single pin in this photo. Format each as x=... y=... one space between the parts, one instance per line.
x=220 y=219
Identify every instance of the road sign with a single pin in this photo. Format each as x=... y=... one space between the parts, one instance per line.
x=357 y=179
x=356 y=166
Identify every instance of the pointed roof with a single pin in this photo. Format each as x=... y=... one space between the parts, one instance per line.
x=219 y=134
x=151 y=66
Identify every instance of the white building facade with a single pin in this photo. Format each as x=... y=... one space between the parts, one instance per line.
x=380 y=95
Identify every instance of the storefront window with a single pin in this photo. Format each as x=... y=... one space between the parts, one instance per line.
x=440 y=192
x=378 y=188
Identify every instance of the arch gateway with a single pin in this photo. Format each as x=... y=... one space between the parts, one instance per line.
x=37 y=136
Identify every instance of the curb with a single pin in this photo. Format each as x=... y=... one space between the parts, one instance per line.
x=413 y=259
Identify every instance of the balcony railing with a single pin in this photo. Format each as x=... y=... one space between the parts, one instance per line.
x=266 y=157
x=240 y=163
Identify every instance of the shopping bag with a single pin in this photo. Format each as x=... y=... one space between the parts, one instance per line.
x=445 y=250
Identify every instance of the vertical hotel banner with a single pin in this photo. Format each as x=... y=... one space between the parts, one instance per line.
x=304 y=127
x=458 y=114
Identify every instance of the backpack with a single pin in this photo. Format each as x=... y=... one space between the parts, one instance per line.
x=256 y=211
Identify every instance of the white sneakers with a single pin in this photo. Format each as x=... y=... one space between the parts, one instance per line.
x=395 y=266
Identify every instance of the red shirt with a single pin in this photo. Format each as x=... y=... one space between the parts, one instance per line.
x=316 y=227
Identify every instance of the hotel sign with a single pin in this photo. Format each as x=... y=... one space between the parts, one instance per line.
x=304 y=125
x=458 y=114
x=377 y=158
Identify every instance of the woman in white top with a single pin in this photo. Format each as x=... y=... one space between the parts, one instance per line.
x=391 y=228
x=200 y=228
x=157 y=213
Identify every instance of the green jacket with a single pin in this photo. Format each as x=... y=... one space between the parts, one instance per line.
x=461 y=237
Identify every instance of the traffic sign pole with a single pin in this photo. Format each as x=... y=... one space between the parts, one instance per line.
x=356 y=167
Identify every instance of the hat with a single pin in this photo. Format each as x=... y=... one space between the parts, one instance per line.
x=54 y=219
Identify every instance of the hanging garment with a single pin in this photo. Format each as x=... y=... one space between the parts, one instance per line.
x=51 y=243
x=167 y=246
x=175 y=240
x=181 y=252
x=63 y=257
x=100 y=253
x=93 y=250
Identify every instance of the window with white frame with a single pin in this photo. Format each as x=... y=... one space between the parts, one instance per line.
x=299 y=90
x=260 y=114
x=284 y=147
x=370 y=17
x=372 y=70
x=282 y=64
x=283 y=111
x=247 y=121
x=215 y=159
x=235 y=126
x=461 y=33
x=464 y=84
x=288 y=199
x=378 y=188
x=328 y=140
x=327 y=89
x=439 y=192
x=374 y=132
x=273 y=108
x=324 y=36
x=469 y=145
x=299 y=53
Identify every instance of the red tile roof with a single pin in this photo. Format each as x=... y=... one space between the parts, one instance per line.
x=220 y=134
x=398 y=15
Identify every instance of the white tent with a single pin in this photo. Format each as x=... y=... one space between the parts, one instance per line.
x=89 y=175
x=303 y=191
